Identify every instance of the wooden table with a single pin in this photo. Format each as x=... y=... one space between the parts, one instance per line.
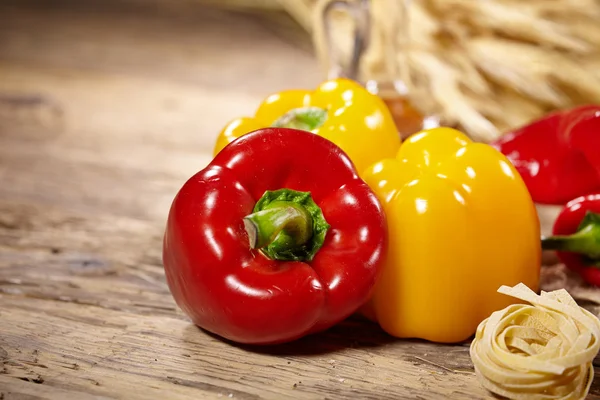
x=105 y=110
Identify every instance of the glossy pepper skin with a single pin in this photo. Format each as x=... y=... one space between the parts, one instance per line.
x=339 y=110
x=557 y=155
x=576 y=237
x=460 y=224
x=235 y=291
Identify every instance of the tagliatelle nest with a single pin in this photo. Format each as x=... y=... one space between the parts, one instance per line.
x=485 y=66
x=543 y=350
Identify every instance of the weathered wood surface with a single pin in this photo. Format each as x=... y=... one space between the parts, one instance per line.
x=105 y=110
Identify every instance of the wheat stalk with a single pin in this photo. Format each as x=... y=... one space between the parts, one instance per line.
x=484 y=66
x=489 y=66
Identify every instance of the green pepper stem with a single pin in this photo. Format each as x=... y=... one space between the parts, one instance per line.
x=284 y=226
x=586 y=240
x=303 y=118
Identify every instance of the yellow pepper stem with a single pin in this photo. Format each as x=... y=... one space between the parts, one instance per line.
x=303 y=118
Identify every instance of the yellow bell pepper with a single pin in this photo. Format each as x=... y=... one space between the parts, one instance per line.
x=340 y=110
x=461 y=224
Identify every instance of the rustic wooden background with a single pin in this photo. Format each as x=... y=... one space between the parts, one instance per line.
x=106 y=108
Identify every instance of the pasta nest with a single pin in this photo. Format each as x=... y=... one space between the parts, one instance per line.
x=539 y=351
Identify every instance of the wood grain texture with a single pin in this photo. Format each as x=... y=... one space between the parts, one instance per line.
x=105 y=109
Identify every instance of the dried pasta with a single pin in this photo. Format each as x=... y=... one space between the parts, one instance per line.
x=541 y=350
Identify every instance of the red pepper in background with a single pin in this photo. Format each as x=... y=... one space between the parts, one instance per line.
x=558 y=156
x=576 y=237
x=275 y=239
x=581 y=128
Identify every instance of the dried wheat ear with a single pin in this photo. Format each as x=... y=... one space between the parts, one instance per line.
x=486 y=66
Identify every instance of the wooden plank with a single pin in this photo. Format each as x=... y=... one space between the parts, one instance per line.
x=105 y=109
x=146 y=356
x=85 y=309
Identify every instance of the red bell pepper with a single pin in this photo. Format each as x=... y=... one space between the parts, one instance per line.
x=576 y=237
x=276 y=238
x=558 y=156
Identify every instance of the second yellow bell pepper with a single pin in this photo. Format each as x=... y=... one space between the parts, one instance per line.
x=340 y=110
x=461 y=224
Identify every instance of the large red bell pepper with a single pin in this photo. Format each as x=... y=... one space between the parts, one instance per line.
x=576 y=237
x=558 y=156
x=275 y=239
